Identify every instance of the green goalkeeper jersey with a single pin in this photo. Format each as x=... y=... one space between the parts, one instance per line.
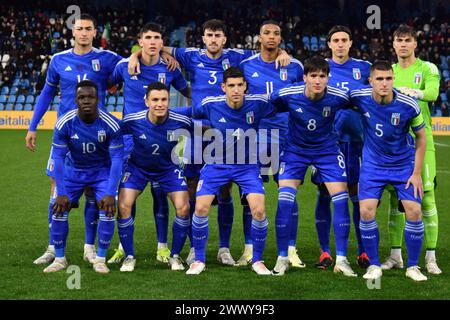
x=424 y=76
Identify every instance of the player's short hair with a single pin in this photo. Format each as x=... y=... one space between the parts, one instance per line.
x=86 y=16
x=214 y=25
x=266 y=22
x=339 y=28
x=151 y=26
x=86 y=83
x=405 y=30
x=233 y=72
x=158 y=86
x=382 y=65
x=316 y=63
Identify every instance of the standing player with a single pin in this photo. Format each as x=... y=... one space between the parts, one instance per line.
x=154 y=138
x=312 y=141
x=419 y=79
x=347 y=74
x=153 y=68
x=388 y=116
x=67 y=69
x=234 y=118
x=205 y=68
x=263 y=78
x=94 y=142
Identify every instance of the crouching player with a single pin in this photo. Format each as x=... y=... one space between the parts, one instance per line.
x=155 y=135
x=94 y=141
x=389 y=158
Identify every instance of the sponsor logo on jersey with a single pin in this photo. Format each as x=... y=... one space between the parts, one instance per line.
x=68 y=68
x=283 y=74
x=162 y=78
x=201 y=65
x=250 y=117
x=96 y=65
x=134 y=78
x=126 y=176
x=356 y=73
x=142 y=136
x=222 y=120
x=418 y=78
x=170 y=135
x=255 y=75
x=226 y=64
x=75 y=136
x=299 y=110
x=326 y=112
x=395 y=119
x=101 y=134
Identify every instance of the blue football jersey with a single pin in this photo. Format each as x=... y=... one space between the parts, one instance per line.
x=310 y=122
x=386 y=128
x=90 y=146
x=235 y=130
x=67 y=68
x=263 y=78
x=154 y=144
x=206 y=74
x=135 y=86
x=350 y=75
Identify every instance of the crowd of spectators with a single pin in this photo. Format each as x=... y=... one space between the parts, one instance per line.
x=28 y=38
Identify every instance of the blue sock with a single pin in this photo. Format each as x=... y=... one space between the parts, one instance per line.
x=200 y=236
x=225 y=213
x=91 y=215
x=371 y=238
x=323 y=220
x=294 y=225
x=126 y=235
x=247 y=224
x=286 y=199
x=161 y=213
x=259 y=235
x=59 y=231
x=50 y=216
x=191 y=215
x=414 y=231
x=341 y=222
x=356 y=219
x=105 y=234
x=179 y=232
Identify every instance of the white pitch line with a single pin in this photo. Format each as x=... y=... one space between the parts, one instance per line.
x=441 y=144
x=444 y=171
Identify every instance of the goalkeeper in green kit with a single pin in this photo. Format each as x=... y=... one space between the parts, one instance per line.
x=419 y=79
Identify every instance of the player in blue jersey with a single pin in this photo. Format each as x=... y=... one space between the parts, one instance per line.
x=389 y=158
x=205 y=68
x=263 y=77
x=94 y=141
x=312 y=141
x=152 y=68
x=347 y=74
x=66 y=70
x=231 y=157
x=155 y=135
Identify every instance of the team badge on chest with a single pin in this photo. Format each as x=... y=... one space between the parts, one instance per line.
x=101 y=134
x=170 y=135
x=395 y=119
x=250 y=117
x=162 y=78
x=418 y=78
x=96 y=65
x=326 y=112
x=226 y=64
x=283 y=74
x=356 y=73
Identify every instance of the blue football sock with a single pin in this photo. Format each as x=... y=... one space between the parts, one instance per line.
x=294 y=225
x=259 y=235
x=371 y=238
x=91 y=214
x=247 y=224
x=50 y=216
x=323 y=220
x=286 y=199
x=161 y=213
x=59 y=231
x=200 y=236
x=126 y=235
x=191 y=215
x=341 y=222
x=105 y=234
x=356 y=219
x=414 y=232
x=225 y=213
x=179 y=233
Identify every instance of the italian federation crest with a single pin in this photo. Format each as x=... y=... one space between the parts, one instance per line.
x=250 y=117
x=162 y=78
x=96 y=65
x=283 y=74
x=226 y=64
x=356 y=74
x=395 y=119
x=170 y=135
x=101 y=134
x=418 y=78
x=326 y=112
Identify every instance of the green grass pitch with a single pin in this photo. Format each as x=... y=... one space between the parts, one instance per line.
x=24 y=236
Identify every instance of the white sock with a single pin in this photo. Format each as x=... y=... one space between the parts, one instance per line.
x=292 y=248
x=248 y=247
x=88 y=246
x=340 y=258
x=430 y=255
x=162 y=245
x=51 y=247
x=396 y=252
